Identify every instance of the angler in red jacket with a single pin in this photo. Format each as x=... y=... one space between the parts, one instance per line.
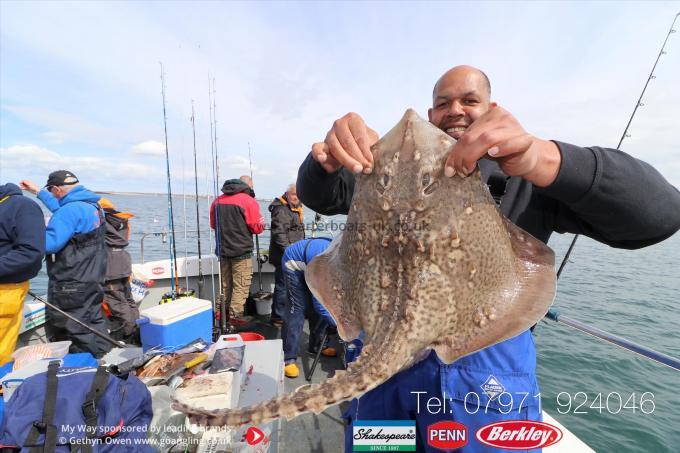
x=235 y=217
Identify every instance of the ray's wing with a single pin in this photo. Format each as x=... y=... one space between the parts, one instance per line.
x=518 y=302
x=326 y=276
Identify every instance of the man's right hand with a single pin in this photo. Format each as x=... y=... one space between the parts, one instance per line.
x=348 y=144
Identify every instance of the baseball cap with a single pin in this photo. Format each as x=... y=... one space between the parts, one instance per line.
x=61 y=178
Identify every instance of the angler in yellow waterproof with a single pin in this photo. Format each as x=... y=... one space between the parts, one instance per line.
x=22 y=247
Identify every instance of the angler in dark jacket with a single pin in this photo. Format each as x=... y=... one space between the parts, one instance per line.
x=76 y=261
x=543 y=187
x=286 y=228
x=235 y=216
x=22 y=247
x=119 y=307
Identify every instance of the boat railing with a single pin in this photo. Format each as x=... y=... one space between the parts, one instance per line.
x=313 y=229
x=163 y=235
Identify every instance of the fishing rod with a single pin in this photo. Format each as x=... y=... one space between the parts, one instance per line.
x=198 y=222
x=217 y=295
x=184 y=215
x=625 y=131
x=174 y=278
x=117 y=344
x=257 y=236
x=208 y=190
x=644 y=351
x=554 y=314
x=224 y=314
x=215 y=170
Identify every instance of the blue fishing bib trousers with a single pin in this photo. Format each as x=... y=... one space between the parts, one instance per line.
x=495 y=384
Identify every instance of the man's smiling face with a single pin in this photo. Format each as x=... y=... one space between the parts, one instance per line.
x=460 y=96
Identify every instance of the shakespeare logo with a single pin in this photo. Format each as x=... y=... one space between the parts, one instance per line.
x=384 y=435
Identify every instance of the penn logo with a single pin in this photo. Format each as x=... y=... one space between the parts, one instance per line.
x=447 y=435
x=519 y=435
x=157 y=270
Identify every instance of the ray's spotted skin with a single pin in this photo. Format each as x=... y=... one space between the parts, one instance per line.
x=425 y=262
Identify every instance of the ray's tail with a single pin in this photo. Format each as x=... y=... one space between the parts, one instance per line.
x=374 y=366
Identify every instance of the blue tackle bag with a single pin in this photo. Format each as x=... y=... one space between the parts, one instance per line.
x=81 y=409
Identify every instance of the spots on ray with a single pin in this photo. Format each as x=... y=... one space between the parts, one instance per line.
x=411 y=289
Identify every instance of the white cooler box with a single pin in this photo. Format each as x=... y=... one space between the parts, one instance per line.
x=174 y=324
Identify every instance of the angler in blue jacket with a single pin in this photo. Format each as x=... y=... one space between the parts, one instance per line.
x=76 y=261
x=300 y=300
x=22 y=246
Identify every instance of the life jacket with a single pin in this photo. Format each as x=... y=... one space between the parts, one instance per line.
x=81 y=409
x=117 y=237
x=83 y=258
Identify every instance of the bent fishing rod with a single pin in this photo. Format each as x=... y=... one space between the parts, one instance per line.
x=625 y=131
x=198 y=222
x=174 y=277
x=107 y=338
x=554 y=314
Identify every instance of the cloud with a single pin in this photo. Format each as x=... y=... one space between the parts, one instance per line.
x=55 y=137
x=29 y=155
x=30 y=161
x=235 y=163
x=149 y=148
x=68 y=125
x=282 y=98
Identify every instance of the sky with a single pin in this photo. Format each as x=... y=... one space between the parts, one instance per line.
x=80 y=85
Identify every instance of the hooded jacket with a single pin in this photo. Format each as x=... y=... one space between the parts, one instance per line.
x=287 y=228
x=237 y=217
x=75 y=213
x=22 y=236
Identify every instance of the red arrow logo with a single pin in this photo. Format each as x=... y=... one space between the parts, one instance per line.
x=254 y=436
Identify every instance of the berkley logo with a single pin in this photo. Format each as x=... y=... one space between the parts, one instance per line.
x=447 y=435
x=157 y=270
x=519 y=434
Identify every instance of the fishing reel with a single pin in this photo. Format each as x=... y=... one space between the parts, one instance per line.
x=263 y=258
x=177 y=294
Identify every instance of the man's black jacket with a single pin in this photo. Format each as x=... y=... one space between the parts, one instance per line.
x=599 y=192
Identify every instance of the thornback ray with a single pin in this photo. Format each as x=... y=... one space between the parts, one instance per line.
x=425 y=262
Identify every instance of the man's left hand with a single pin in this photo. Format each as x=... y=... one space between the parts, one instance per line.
x=499 y=136
x=29 y=186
